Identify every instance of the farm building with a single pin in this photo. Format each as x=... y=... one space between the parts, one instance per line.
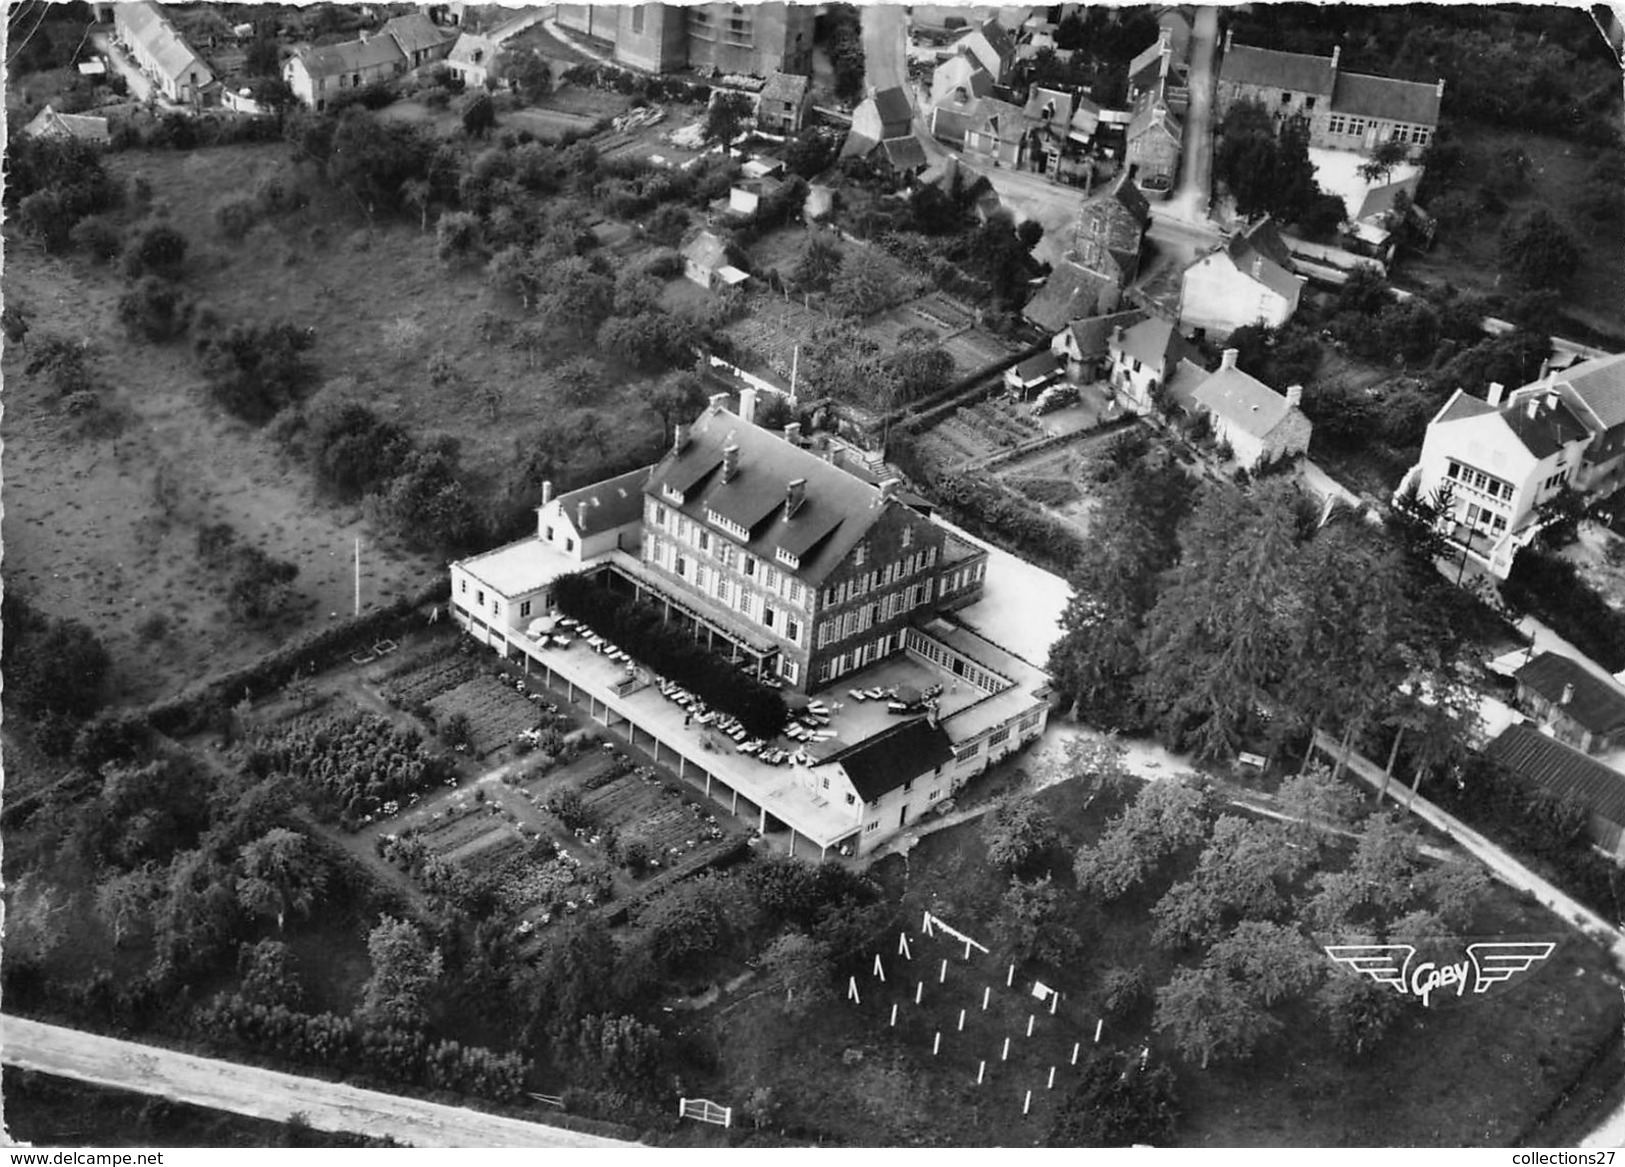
x=50 y=124
x=1577 y=707
x=1567 y=772
x=319 y=75
x=802 y=574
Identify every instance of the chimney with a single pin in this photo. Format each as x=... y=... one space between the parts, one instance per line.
x=1165 y=38
x=1568 y=694
x=888 y=488
x=547 y=493
x=1294 y=396
x=1117 y=335
x=792 y=433
x=1229 y=35
x=719 y=401
x=1337 y=55
x=581 y=516
x=1534 y=407
x=1258 y=266
x=1551 y=398
x=680 y=437
x=747 y=404
x=1228 y=360
x=1496 y=389
x=794 y=495
x=1441 y=87
x=730 y=462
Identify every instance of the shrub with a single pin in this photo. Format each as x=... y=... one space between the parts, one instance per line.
x=158 y=249
x=155 y=309
x=1551 y=589
x=96 y=236
x=236 y=215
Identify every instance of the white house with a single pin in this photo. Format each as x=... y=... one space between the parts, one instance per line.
x=1250 y=280
x=473 y=59
x=319 y=75
x=1491 y=463
x=1143 y=358
x=1260 y=425
x=179 y=72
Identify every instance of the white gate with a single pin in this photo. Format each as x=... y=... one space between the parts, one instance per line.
x=704 y=1110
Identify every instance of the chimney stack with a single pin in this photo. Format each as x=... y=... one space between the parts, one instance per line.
x=747 y=404
x=1496 y=389
x=581 y=516
x=1229 y=35
x=1568 y=694
x=1228 y=360
x=680 y=437
x=794 y=495
x=1117 y=334
x=1337 y=55
x=1294 y=396
x=1441 y=87
x=730 y=462
x=719 y=401
x=792 y=433
x=547 y=493
x=888 y=488
x=1534 y=407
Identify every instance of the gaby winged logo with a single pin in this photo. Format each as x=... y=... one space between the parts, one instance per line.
x=1490 y=964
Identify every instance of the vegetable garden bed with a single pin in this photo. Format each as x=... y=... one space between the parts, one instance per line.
x=496 y=712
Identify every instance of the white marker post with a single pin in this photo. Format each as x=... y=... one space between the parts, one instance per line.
x=981 y=1068
x=967 y=942
x=894 y=1014
x=1005 y=1056
x=1054 y=1000
x=919 y=987
x=1051 y=1085
x=942 y=976
x=1029 y=1025
x=902 y=946
x=1098 y=1025
x=1010 y=977
x=936 y=1043
x=880 y=969
x=852 y=990
x=961 y=1021
x=1028 y=1104
x=1075 y=1046
x=986 y=990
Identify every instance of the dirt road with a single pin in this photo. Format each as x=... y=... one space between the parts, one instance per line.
x=267 y=1094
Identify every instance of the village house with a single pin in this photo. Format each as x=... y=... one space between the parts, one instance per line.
x=1259 y=425
x=420 y=40
x=1154 y=141
x=784 y=103
x=1083 y=346
x=1549 y=764
x=1145 y=359
x=1072 y=291
x=1250 y=280
x=83 y=127
x=1573 y=704
x=1026 y=377
x=1493 y=464
x=991 y=46
x=883 y=125
x=960 y=80
x=996 y=133
x=473 y=59
x=801 y=573
x=1342 y=111
x=319 y=75
x=1111 y=230
x=152 y=41
x=706 y=262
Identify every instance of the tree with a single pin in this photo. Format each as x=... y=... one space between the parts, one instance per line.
x=726 y=117
x=578 y=296
x=262 y=58
x=1032 y=923
x=820 y=262
x=159 y=249
x=675 y=397
x=1386 y=155
x=1209 y=1015
x=1117 y=1104
x=154 y=309
x=621 y=1051
x=1319 y=806
x=1356 y=1011
x=867 y=282
x=458 y=237
x=281 y=872
x=269 y=974
x=479 y=115
x=125 y=900
x=1457 y=888
x=528 y=72
x=1271 y=960
x=920 y=372
x=1377 y=883
x=804 y=967
x=1536 y=251
x=404 y=969
x=1164 y=818
x=688 y=922
x=53 y=666
x=257 y=370
x=1019 y=835
x=1243 y=869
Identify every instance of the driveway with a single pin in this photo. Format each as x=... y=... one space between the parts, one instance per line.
x=269 y=1094
x=1190 y=200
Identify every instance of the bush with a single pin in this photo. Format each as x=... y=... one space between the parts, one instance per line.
x=1552 y=590
x=155 y=309
x=158 y=249
x=236 y=215
x=96 y=236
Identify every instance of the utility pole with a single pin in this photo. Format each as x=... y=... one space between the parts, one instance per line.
x=358 y=575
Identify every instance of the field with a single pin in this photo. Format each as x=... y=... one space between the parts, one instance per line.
x=1475 y=1072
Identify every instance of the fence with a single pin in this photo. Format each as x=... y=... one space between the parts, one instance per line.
x=704 y=1110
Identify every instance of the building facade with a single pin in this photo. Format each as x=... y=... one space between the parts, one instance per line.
x=1250 y=280
x=163 y=55
x=319 y=75
x=1260 y=425
x=753 y=39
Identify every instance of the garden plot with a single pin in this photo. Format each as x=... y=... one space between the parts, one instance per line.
x=496 y=713
x=417 y=681
x=641 y=806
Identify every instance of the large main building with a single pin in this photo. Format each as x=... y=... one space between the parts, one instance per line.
x=759 y=39
x=801 y=573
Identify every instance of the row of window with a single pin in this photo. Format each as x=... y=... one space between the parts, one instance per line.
x=862 y=585
x=1474 y=479
x=726 y=590
x=859 y=620
x=1355 y=127
x=960 y=666
x=732 y=558
x=857 y=658
x=963 y=577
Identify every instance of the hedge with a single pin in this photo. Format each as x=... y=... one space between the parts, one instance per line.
x=671 y=654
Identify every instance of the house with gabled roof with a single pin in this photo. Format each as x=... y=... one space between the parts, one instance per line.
x=801 y=573
x=959 y=80
x=992 y=46
x=996 y=132
x=1570 y=774
x=1083 y=346
x=706 y=262
x=1493 y=463
x=1249 y=280
x=83 y=127
x=1111 y=230
x=321 y=74
x=162 y=53
x=1260 y=425
x=421 y=40
x=1341 y=110
x=1142 y=359
x=1069 y=292
x=784 y=103
x=473 y=59
x=1154 y=140
x=1571 y=702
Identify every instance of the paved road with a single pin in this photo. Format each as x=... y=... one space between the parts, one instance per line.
x=1190 y=201
x=885 y=46
x=268 y=1094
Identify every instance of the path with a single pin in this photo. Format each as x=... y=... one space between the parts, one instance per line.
x=555 y=31
x=270 y=1094
x=1191 y=200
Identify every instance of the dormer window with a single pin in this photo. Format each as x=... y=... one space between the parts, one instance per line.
x=784 y=557
x=908 y=536
x=859 y=554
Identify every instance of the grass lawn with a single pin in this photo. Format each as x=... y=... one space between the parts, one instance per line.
x=1477 y=1071
x=1466 y=256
